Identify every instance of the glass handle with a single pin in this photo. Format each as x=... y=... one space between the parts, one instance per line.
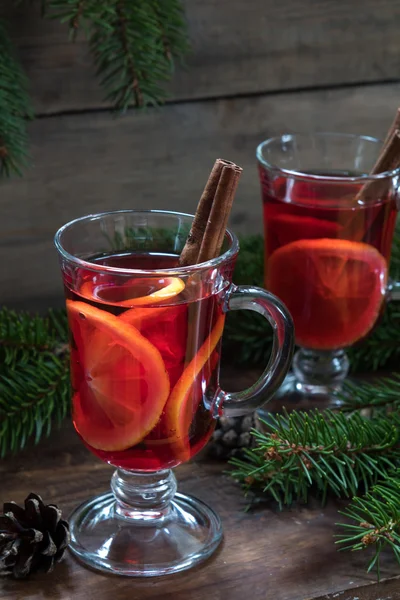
x=254 y=298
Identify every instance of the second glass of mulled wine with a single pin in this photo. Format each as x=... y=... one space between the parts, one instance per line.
x=328 y=232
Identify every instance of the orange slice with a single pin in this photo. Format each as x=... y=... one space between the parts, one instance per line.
x=181 y=407
x=133 y=292
x=167 y=328
x=121 y=384
x=140 y=317
x=334 y=289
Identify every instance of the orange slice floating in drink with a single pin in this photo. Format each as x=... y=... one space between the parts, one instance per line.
x=167 y=328
x=121 y=383
x=334 y=289
x=180 y=408
x=134 y=292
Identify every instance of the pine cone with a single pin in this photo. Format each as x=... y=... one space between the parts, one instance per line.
x=31 y=538
x=231 y=436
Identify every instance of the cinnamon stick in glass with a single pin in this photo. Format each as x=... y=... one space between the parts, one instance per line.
x=388 y=159
x=208 y=228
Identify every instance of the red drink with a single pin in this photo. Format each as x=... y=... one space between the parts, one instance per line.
x=326 y=257
x=144 y=361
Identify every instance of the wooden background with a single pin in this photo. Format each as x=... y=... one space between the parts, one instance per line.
x=258 y=67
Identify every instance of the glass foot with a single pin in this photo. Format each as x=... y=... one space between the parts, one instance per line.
x=105 y=539
x=295 y=395
x=314 y=383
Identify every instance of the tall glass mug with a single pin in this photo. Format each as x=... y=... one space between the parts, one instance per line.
x=327 y=249
x=145 y=339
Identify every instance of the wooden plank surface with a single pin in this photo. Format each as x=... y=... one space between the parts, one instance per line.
x=287 y=555
x=237 y=48
x=159 y=159
x=387 y=590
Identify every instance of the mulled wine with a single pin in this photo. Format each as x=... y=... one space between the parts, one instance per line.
x=144 y=362
x=326 y=256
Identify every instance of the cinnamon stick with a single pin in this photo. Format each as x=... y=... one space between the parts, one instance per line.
x=395 y=125
x=208 y=228
x=206 y=237
x=192 y=246
x=220 y=210
x=389 y=159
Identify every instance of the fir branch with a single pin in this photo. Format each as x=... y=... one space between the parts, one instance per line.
x=23 y=337
x=15 y=109
x=72 y=12
x=34 y=376
x=322 y=452
x=134 y=44
x=383 y=395
x=32 y=399
x=375 y=521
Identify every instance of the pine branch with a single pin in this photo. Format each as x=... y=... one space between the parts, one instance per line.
x=32 y=399
x=342 y=454
x=382 y=396
x=34 y=376
x=134 y=44
x=375 y=521
x=15 y=109
x=320 y=453
x=24 y=337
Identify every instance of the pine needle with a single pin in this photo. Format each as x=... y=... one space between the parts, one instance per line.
x=15 y=109
x=134 y=44
x=375 y=521
x=34 y=376
x=318 y=453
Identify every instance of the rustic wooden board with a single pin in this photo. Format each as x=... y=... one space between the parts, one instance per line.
x=266 y=554
x=386 y=590
x=237 y=48
x=159 y=159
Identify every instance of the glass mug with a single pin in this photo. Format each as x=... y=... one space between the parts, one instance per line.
x=145 y=340
x=327 y=249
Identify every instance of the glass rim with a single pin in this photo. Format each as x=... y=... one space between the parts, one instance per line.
x=212 y=263
x=334 y=178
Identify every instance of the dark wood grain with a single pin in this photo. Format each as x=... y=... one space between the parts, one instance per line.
x=287 y=555
x=237 y=48
x=158 y=159
x=386 y=590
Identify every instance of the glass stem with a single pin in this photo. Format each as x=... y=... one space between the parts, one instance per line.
x=316 y=369
x=144 y=497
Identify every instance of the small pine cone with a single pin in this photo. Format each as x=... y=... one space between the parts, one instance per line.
x=231 y=436
x=31 y=538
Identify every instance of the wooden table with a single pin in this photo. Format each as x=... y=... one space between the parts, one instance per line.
x=265 y=555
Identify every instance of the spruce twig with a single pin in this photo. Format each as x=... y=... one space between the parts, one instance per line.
x=34 y=376
x=320 y=453
x=15 y=109
x=134 y=44
x=381 y=396
x=375 y=521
